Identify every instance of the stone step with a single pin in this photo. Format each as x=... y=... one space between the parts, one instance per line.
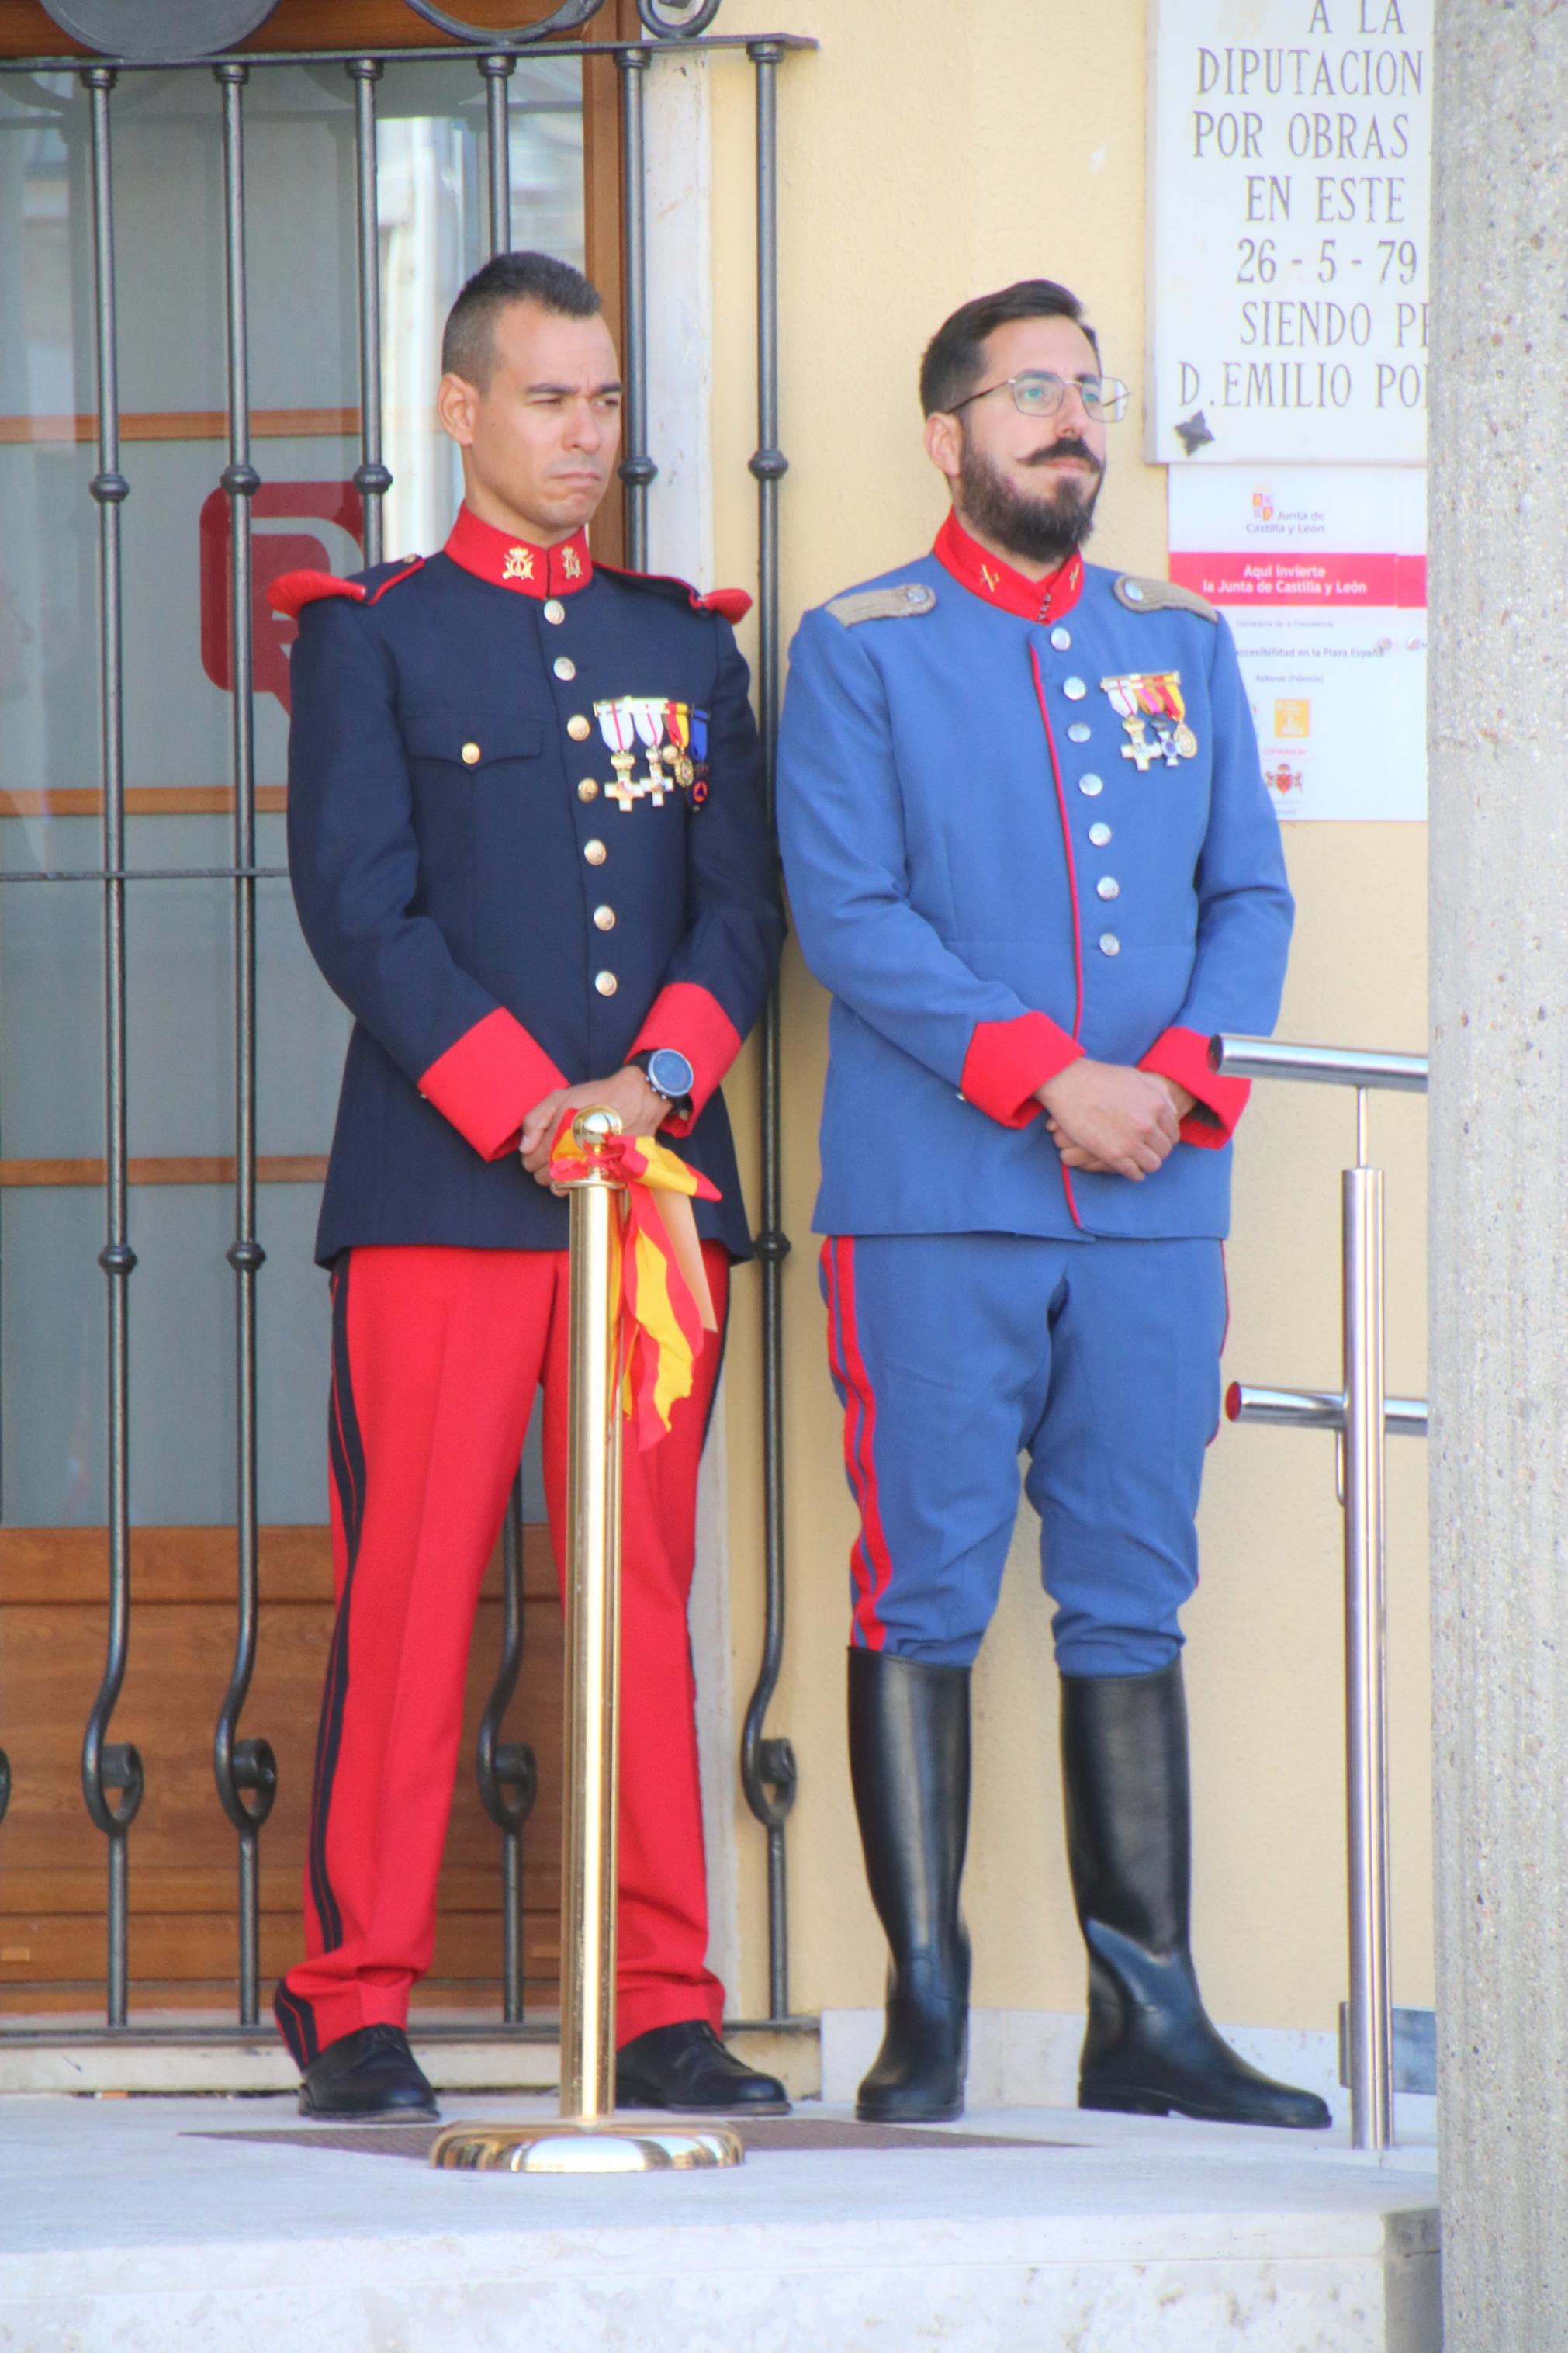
x=172 y=2055
x=139 y=2224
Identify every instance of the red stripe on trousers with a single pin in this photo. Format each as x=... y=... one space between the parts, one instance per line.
x=447 y=1348
x=858 y=1570
x=872 y=1561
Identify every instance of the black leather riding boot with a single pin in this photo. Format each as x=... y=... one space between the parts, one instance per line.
x=1151 y=2046
x=909 y=1760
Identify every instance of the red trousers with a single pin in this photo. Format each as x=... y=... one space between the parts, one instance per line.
x=436 y=1355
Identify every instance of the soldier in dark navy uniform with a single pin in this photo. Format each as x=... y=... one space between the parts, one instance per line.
x=529 y=852
x=1030 y=852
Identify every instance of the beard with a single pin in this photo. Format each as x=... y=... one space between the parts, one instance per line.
x=1042 y=529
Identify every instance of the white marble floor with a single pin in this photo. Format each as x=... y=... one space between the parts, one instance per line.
x=125 y=2228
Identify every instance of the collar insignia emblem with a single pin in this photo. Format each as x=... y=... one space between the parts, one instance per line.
x=519 y=563
x=993 y=579
x=571 y=564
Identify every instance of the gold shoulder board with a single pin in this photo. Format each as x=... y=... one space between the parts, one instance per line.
x=1141 y=596
x=883 y=604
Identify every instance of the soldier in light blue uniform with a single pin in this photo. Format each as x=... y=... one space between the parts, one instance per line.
x=1030 y=852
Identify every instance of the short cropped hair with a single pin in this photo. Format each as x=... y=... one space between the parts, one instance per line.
x=955 y=355
x=468 y=344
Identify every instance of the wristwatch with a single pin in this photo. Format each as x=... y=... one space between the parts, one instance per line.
x=667 y=1072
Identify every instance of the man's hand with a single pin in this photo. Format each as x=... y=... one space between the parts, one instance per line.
x=628 y=1093
x=1111 y=1121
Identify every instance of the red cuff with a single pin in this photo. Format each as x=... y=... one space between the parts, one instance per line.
x=1184 y=1055
x=687 y=1017
x=489 y=1082
x=1007 y=1060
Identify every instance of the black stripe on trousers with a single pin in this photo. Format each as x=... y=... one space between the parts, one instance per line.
x=345 y=1450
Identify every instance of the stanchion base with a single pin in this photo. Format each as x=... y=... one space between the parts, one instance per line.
x=594 y=2144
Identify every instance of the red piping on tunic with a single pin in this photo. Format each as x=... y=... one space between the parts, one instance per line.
x=1072 y=887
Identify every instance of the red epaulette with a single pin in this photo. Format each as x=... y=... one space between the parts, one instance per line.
x=732 y=604
x=292 y=591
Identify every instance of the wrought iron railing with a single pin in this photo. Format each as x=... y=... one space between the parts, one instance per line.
x=244 y=1766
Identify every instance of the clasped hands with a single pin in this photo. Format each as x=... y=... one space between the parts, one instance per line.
x=641 y=1109
x=1111 y=1121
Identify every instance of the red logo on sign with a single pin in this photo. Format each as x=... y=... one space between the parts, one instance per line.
x=272 y=553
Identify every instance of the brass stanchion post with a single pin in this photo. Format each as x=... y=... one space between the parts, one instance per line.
x=587 y=2139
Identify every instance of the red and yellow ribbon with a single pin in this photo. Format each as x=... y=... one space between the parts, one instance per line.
x=665 y=1299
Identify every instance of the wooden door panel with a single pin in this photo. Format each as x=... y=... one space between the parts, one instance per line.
x=183 y=1868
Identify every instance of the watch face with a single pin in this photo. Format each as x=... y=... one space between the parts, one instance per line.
x=670 y=1074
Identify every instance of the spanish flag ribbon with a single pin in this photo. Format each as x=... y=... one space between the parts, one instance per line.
x=665 y=1299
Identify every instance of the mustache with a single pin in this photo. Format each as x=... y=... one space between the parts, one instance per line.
x=1071 y=447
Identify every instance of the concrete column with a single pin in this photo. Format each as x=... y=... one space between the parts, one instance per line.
x=1498 y=1145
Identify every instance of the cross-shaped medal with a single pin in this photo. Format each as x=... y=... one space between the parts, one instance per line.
x=1141 y=749
x=624 y=790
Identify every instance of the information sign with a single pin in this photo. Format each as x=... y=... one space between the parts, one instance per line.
x=1289 y=230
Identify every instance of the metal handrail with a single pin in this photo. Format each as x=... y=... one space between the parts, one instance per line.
x=1332 y=1066
x=1318 y=1410
x=1362 y=1415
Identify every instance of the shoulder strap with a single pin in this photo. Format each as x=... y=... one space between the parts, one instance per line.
x=1140 y=596
x=292 y=591
x=898 y=604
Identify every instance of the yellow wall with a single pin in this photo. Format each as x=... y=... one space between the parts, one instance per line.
x=930 y=149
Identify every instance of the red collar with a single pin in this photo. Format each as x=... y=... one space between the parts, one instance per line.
x=507 y=563
x=975 y=569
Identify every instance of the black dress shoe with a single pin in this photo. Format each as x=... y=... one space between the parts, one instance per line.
x=371 y=2074
x=687 y=2067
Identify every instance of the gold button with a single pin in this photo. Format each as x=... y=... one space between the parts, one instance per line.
x=588 y=790
x=577 y=727
x=555 y=610
x=604 y=918
x=594 y=853
x=606 y=983
x=470 y=755
x=564 y=667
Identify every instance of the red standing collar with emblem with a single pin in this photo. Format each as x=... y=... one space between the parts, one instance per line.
x=985 y=576
x=507 y=562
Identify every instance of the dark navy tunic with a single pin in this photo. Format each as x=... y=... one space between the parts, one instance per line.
x=497 y=922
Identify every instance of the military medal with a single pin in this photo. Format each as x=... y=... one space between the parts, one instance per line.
x=648 y=717
x=699 y=758
x=677 y=731
x=1171 y=720
x=1152 y=695
x=1126 y=703
x=618 y=730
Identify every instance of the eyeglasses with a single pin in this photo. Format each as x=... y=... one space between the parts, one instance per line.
x=1037 y=392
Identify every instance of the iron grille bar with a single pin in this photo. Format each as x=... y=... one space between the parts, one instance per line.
x=768 y=1767
x=425 y=2029
x=445 y=53
x=242 y=1765
x=507 y=1771
x=108 y=1764
x=636 y=468
x=497 y=71
x=147 y=874
x=371 y=478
